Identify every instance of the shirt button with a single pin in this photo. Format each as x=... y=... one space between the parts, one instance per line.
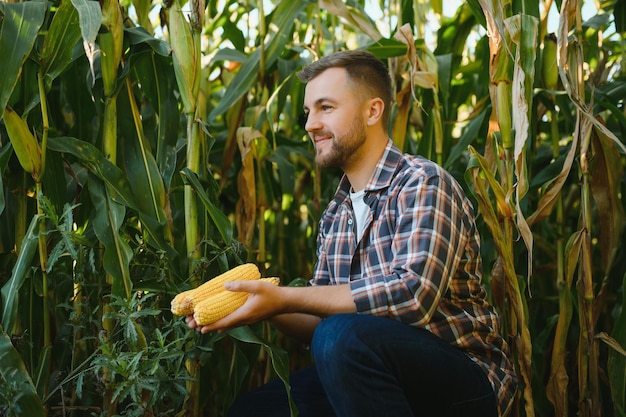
x=350 y=221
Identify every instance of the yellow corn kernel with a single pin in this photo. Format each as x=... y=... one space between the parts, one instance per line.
x=221 y=304
x=218 y=306
x=183 y=304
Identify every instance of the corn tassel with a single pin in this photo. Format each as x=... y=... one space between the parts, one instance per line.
x=221 y=304
x=184 y=303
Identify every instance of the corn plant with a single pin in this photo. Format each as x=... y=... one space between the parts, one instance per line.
x=148 y=147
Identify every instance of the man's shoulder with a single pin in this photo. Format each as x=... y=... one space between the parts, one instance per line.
x=417 y=166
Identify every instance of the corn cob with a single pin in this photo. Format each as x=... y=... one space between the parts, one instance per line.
x=184 y=303
x=222 y=304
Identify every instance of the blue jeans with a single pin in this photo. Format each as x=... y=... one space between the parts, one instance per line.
x=373 y=366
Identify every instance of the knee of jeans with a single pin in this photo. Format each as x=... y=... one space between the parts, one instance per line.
x=332 y=339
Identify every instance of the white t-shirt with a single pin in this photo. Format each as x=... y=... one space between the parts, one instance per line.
x=360 y=212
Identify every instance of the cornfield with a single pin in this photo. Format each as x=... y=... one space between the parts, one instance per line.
x=146 y=147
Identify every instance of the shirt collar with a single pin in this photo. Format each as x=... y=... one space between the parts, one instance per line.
x=383 y=173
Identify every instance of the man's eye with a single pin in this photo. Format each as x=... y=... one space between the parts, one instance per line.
x=326 y=107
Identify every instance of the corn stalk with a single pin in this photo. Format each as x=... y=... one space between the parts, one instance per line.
x=512 y=40
x=185 y=42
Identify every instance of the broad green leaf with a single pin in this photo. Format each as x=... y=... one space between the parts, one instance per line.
x=139 y=35
x=619 y=12
x=5 y=154
x=469 y=135
x=25 y=145
x=282 y=158
x=107 y=221
x=40 y=377
x=95 y=161
x=221 y=221
x=228 y=54
x=147 y=184
x=58 y=45
x=119 y=189
x=477 y=11
x=142 y=8
x=10 y=290
x=90 y=17
x=18 y=33
x=445 y=70
x=385 y=48
x=156 y=76
x=283 y=19
x=14 y=372
x=278 y=358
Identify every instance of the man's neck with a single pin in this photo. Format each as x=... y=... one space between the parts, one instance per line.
x=360 y=172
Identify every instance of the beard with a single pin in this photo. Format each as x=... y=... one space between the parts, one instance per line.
x=344 y=148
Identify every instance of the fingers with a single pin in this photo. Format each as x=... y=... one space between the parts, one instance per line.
x=191 y=322
x=239 y=286
x=243 y=315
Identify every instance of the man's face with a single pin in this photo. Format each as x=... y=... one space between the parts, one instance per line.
x=335 y=119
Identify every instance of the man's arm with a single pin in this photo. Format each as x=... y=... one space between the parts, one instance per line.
x=300 y=326
x=266 y=301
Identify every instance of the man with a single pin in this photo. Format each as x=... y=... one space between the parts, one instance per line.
x=398 y=321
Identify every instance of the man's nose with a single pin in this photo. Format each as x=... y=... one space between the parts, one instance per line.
x=312 y=123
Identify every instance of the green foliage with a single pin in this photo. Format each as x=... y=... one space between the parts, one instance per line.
x=144 y=366
x=17 y=392
x=169 y=158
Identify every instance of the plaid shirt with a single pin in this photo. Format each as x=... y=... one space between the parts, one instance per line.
x=418 y=260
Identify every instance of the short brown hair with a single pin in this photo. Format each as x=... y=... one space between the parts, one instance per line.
x=363 y=68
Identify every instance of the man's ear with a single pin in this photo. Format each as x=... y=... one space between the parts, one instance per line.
x=375 y=110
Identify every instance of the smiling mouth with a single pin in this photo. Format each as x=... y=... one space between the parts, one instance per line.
x=321 y=138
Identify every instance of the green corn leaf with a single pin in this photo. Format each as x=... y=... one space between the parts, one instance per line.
x=147 y=184
x=58 y=45
x=156 y=76
x=283 y=19
x=278 y=358
x=95 y=161
x=5 y=154
x=139 y=35
x=90 y=17
x=25 y=400
x=468 y=136
x=385 y=48
x=10 y=290
x=119 y=188
x=142 y=8
x=221 y=221
x=24 y=143
x=18 y=32
x=106 y=224
x=40 y=377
